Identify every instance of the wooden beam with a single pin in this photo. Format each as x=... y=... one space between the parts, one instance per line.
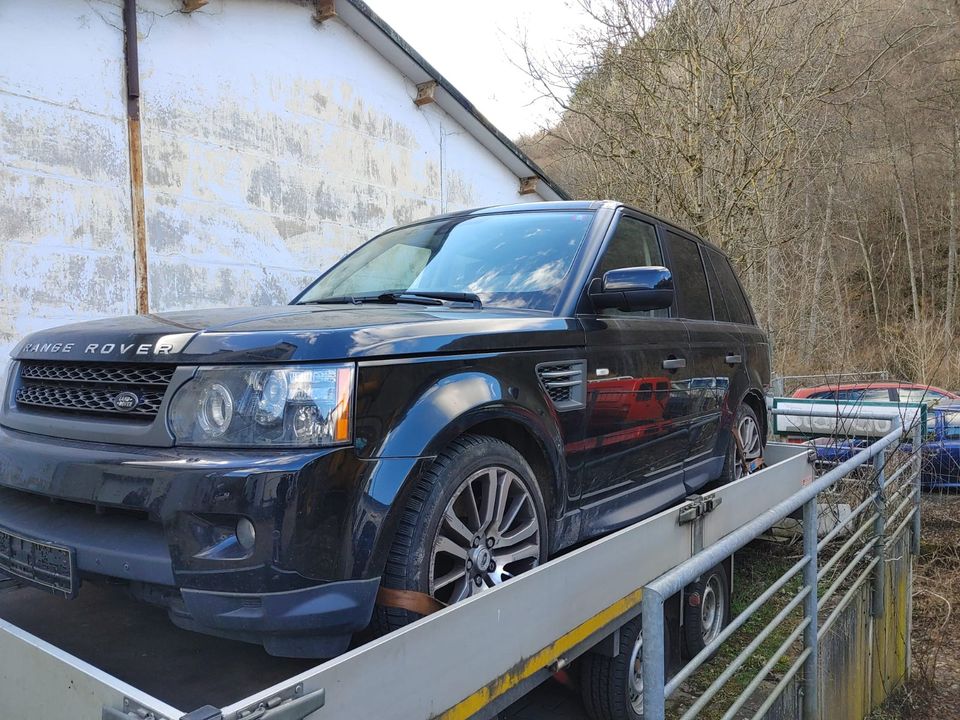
x=425 y=93
x=326 y=10
x=528 y=185
x=190 y=5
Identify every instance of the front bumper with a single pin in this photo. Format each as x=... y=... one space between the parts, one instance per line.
x=312 y=622
x=164 y=520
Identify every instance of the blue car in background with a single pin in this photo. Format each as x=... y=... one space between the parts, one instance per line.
x=941 y=450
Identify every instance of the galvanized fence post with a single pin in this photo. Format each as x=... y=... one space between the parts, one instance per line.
x=811 y=700
x=778 y=386
x=918 y=432
x=880 y=531
x=654 y=657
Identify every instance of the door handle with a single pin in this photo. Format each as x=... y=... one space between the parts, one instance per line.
x=734 y=359
x=674 y=363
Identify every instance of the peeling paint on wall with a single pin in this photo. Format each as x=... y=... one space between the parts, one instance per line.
x=272 y=146
x=65 y=243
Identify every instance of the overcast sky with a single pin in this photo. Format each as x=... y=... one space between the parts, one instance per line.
x=472 y=45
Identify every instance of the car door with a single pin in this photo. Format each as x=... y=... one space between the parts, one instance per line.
x=716 y=359
x=635 y=434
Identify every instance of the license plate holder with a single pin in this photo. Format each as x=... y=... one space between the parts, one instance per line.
x=46 y=565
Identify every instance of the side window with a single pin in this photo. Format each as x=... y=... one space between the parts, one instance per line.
x=634 y=244
x=720 y=310
x=736 y=304
x=689 y=278
x=851 y=396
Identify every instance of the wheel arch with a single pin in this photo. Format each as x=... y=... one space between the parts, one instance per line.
x=520 y=427
x=755 y=400
x=522 y=439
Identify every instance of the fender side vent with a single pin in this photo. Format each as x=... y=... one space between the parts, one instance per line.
x=563 y=382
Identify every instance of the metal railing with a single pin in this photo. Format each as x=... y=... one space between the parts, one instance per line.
x=890 y=505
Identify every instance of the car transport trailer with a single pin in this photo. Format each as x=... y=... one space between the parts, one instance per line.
x=475 y=658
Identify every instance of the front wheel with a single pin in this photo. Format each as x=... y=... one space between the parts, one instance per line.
x=475 y=519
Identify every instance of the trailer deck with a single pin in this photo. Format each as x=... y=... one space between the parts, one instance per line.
x=182 y=668
x=106 y=657
x=118 y=656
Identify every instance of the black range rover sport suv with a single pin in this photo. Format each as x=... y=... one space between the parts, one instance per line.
x=450 y=405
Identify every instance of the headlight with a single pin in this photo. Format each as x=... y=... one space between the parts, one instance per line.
x=248 y=406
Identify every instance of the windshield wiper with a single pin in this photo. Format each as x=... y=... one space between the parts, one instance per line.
x=466 y=297
x=425 y=297
x=338 y=300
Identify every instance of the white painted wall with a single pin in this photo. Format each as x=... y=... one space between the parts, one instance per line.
x=272 y=146
x=65 y=239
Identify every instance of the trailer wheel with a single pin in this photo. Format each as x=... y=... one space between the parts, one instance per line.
x=706 y=610
x=475 y=519
x=612 y=687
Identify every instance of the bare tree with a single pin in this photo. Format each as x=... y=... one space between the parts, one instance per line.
x=816 y=142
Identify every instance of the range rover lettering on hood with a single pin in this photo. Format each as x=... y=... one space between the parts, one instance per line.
x=102 y=349
x=167 y=345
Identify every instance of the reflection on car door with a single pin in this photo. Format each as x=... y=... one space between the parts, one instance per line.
x=716 y=354
x=635 y=435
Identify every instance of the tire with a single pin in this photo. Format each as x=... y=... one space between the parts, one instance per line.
x=612 y=687
x=745 y=417
x=706 y=610
x=431 y=547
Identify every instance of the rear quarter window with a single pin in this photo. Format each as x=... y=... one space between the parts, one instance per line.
x=734 y=301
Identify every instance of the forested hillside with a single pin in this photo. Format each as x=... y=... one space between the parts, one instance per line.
x=816 y=141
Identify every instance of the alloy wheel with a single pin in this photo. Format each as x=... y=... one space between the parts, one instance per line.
x=489 y=533
x=751 y=441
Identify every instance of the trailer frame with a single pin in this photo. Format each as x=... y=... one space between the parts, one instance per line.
x=517 y=635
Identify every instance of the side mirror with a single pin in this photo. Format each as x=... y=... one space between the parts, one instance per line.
x=636 y=288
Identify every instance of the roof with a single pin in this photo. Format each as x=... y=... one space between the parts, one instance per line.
x=385 y=40
x=570 y=206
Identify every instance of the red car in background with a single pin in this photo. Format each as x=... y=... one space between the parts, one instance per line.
x=837 y=449
x=877 y=392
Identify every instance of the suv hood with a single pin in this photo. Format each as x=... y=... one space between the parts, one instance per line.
x=300 y=333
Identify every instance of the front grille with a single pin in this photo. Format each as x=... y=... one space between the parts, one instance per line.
x=88 y=388
x=563 y=383
x=119 y=374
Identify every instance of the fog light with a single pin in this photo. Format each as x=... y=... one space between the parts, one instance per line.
x=246 y=534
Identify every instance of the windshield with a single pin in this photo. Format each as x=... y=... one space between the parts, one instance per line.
x=951 y=425
x=515 y=260
x=921 y=395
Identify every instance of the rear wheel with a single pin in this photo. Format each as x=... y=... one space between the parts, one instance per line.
x=612 y=687
x=475 y=519
x=750 y=448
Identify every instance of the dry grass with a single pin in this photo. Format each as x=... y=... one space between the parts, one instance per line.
x=934 y=690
